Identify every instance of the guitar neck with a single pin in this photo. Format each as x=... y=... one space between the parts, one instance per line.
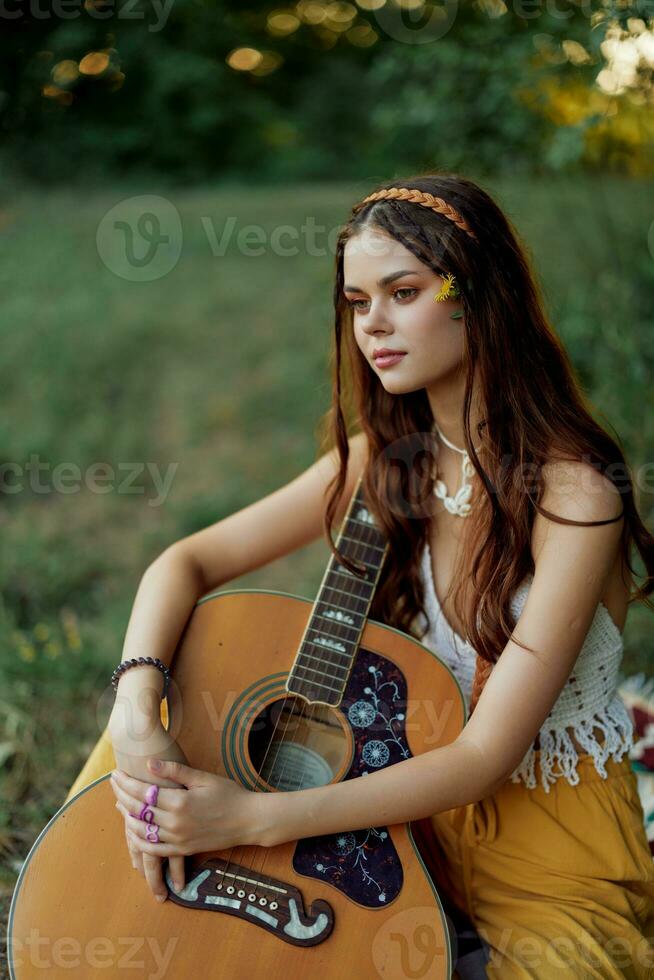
x=328 y=647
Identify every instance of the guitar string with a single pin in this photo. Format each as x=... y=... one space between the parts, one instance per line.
x=357 y=544
x=328 y=662
x=316 y=708
x=361 y=502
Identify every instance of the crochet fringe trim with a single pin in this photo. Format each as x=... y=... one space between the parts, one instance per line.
x=556 y=746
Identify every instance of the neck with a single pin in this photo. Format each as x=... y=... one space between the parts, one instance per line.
x=446 y=401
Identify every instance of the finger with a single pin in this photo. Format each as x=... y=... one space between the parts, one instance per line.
x=162 y=849
x=143 y=831
x=134 y=853
x=137 y=788
x=176 y=866
x=134 y=807
x=154 y=877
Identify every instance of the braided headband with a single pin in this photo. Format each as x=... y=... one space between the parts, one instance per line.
x=419 y=197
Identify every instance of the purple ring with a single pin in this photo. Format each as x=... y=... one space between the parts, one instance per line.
x=152 y=794
x=152 y=833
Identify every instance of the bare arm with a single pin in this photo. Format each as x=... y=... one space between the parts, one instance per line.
x=571 y=570
x=279 y=523
x=438 y=780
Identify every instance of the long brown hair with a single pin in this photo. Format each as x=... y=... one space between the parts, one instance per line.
x=533 y=411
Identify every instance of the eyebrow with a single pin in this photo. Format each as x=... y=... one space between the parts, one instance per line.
x=384 y=280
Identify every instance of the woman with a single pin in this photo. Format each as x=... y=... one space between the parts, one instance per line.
x=511 y=519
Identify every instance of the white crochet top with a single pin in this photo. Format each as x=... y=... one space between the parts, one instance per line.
x=588 y=699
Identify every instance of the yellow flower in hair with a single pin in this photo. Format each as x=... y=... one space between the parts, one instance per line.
x=449 y=289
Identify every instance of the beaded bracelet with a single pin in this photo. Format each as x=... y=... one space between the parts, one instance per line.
x=136 y=662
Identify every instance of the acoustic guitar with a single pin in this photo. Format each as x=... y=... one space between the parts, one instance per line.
x=278 y=693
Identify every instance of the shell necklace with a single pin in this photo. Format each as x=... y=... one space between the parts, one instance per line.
x=459 y=503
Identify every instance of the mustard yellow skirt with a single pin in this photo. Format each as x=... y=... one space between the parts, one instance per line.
x=558 y=884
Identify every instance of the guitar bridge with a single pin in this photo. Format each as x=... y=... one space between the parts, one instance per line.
x=216 y=885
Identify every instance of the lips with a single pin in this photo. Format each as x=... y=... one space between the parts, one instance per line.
x=386 y=352
x=383 y=361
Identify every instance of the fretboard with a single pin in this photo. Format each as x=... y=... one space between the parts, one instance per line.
x=328 y=648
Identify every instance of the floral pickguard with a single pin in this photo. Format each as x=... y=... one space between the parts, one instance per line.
x=364 y=864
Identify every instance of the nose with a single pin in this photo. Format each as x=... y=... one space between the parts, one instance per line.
x=375 y=322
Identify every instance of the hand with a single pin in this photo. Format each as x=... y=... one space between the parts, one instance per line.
x=132 y=747
x=206 y=813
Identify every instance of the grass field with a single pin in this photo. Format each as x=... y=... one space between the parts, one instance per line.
x=219 y=369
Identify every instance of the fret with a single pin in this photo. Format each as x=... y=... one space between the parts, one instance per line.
x=321 y=673
x=364 y=533
x=375 y=546
x=321 y=631
x=351 y=579
x=362 y=507
x=338 y=569
x=333 y=622
x=355 y=520
x=328 y=662
x=333 y=588
x=370 y=564
x=363 y=537
x=330 y=642
x=323 y=649
x=305 y=680
x=334 y=618
x=356 y=543
x=358 y=581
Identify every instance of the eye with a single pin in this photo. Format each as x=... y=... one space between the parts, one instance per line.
x=402 y=289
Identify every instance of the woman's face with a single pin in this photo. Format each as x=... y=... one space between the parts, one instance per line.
x=400 y=314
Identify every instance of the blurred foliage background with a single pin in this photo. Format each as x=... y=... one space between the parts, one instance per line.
x=205 y=89
x=216 y=371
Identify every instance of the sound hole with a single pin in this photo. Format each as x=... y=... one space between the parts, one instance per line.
x=294 y=745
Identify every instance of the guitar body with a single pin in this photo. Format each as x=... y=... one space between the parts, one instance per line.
x=358 y=904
